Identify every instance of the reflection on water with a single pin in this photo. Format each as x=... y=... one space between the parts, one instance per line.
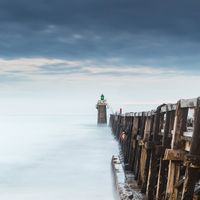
x=55 y=158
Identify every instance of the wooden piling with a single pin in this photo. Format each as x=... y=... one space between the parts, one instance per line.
x=127 y=142
x=193 y=159
x=138 y=149
x=175 y=161
x=146 y=145
x=134 y=142
x=166 y=140
x=153 y=170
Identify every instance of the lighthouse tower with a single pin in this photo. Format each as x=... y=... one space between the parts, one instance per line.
x=101 y=107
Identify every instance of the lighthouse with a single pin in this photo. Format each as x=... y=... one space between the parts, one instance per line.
x=101 y=108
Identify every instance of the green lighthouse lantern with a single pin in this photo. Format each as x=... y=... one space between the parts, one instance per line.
x=102 y=97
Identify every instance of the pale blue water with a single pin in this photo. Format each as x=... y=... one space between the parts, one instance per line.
x=56 y=157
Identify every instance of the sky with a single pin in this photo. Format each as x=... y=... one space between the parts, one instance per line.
x=58 y=56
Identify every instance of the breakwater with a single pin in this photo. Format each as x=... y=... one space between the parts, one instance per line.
x=161 y=148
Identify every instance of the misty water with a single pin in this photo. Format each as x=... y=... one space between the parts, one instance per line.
x=55 y=157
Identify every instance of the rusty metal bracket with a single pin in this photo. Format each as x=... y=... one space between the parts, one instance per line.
x=192 y=161
x=149 y=145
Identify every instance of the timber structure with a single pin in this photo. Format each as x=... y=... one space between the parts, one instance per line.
x=161 y=148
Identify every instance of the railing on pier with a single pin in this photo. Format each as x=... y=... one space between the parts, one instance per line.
x=162 y=149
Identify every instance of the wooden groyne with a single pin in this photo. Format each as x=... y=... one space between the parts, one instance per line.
x=161 y=148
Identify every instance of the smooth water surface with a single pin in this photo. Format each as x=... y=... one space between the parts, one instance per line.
x=56 y=157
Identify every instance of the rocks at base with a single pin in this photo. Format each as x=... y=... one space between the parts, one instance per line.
x=125 y=184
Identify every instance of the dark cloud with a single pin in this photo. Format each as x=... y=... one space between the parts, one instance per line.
x=162 y=33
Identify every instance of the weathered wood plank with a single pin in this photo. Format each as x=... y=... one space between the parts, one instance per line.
x=138 y=150
x=177 y=143
x=188 y=103
x=168 y=108
x=147 y=152
x=153 y=169
x=127 y=143
x=193 y=159
x=163 y=166
x=134 y=142
x=174 y=154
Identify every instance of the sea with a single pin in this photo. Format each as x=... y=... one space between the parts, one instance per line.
x=55 y=157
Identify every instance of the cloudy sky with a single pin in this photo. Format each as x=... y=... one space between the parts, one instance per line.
x=67 y=52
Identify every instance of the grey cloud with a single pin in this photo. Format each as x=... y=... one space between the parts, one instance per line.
x=12 y=77
x=129 y=15
x=154 y=32
x=36 y=69
x=59 y=69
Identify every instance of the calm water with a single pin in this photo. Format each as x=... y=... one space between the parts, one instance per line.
x=55 y=158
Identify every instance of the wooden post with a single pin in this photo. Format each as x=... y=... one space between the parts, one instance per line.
x=176 y=144
x=163 y=167
x=115 y=124
x=122 y=128
x=138 y=150
x=134 y=143
x=127 y=142
x=146 y=152
x=119 y=126
x=193 y=159
x=153 y=170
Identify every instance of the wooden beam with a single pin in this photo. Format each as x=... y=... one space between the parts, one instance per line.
x=176 y=144
x=164 y=164
x=168 y=108
x=193 y=160
x=145 y=153
x=127 y=142
x=153 y=169
x=135 y=133
x=174 y=154
x=138 y=150
x=134 y=142
x=188 y=103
